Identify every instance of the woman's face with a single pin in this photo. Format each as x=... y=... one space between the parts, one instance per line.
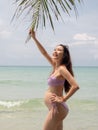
x=58 y=53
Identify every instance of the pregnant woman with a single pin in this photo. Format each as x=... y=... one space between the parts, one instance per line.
x=61 y=78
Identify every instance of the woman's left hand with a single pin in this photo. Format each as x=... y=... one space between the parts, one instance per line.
x=55 y=98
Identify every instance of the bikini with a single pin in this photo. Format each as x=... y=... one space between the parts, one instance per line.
x=53 y=81
x=56 y=82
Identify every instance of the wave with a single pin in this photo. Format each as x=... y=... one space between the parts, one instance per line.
x=32 y=104
x=9 y=104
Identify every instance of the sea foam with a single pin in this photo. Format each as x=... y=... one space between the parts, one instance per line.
x=10 y=104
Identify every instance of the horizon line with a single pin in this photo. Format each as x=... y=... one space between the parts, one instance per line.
x=44 y=66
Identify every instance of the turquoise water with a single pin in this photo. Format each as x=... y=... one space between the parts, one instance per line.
x=23 y=82
x=22 y=90
x=18 y=83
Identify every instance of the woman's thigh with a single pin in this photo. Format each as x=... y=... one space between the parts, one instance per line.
x=51 y=121
x=54 y=119
x=60 y=126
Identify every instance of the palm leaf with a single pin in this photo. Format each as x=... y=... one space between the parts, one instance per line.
x=43 y=11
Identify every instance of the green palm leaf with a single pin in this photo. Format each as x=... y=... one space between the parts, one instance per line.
x=43 y=11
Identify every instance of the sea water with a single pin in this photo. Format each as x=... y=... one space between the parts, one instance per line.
x=21 y=98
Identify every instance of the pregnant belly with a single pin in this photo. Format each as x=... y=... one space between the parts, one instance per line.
x=47 y=100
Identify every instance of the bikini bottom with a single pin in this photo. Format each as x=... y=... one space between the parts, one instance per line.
x=54 y=106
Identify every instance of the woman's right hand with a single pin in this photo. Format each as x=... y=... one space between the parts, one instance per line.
x=32 y=33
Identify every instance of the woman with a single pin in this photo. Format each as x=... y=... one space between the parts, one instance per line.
x=60 y=78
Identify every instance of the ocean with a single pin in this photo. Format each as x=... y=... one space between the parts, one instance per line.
x=21 y=98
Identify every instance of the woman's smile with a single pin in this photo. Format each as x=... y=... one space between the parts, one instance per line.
x=58 y=53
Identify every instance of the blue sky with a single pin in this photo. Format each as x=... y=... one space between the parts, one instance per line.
x=80 y=34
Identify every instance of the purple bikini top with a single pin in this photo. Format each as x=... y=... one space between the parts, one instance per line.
x=53 y=81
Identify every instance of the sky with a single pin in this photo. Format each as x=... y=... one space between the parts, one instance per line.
x=80 y=34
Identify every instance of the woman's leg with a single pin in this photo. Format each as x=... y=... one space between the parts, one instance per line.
x=50 y=122
x=55 y=117
x=64 y=109
x=60 y=126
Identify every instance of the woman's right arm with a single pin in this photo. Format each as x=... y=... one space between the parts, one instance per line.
x=41 y=48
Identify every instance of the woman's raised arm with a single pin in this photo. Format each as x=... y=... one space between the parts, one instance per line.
x=40 y=47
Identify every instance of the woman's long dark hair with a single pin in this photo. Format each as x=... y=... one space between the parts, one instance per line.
x=66 y=60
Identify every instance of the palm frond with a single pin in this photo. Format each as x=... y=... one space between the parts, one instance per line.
x=43 y=11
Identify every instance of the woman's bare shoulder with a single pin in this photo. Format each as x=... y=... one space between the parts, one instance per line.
x=62 y=67
x=63 y=70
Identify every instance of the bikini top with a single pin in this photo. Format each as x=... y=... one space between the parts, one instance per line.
x=53 y=81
